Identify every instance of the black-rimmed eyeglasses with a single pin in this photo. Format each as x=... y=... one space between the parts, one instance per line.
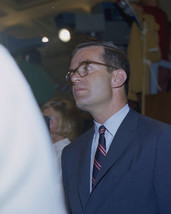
x=84 y=68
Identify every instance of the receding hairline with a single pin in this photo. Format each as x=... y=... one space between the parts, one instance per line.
x=103 y=44
x=101 y=48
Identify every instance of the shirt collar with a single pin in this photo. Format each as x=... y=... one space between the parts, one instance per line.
x=113 y=123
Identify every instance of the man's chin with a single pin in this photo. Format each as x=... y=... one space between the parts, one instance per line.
x=81 y=104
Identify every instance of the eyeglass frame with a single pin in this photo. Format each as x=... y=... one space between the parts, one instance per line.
x=87 y=62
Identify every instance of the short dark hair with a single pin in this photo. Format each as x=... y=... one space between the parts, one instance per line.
x=112 y=56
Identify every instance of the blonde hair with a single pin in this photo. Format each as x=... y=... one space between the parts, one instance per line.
x=68 y=116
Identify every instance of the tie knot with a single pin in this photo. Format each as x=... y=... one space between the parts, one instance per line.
x=102 y=129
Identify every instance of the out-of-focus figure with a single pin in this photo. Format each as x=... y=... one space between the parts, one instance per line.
x=65 y=123
x=28 y=180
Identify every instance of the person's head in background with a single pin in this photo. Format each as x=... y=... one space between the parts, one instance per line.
x=64 y=119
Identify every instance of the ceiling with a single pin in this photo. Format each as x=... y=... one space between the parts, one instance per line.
x=28 y=20
x=20 y=17
x=31 y=19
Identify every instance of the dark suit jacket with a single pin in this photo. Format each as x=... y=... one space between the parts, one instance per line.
x=136 y=177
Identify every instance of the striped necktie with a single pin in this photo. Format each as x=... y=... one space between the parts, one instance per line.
x=100 y=154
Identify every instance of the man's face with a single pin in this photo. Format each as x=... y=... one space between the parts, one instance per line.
x=93 y=90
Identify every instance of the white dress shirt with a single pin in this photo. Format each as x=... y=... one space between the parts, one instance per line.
x=112 y=125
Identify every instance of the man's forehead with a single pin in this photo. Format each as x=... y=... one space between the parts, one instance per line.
x=87 y=53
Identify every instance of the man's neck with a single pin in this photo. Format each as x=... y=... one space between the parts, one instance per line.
x=104 y=114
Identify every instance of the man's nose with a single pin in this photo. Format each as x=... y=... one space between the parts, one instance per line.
x=75 y=77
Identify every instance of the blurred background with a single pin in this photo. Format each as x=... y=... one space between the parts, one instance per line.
x=30 y=30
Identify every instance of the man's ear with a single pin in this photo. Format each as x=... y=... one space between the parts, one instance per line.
x=118 y=78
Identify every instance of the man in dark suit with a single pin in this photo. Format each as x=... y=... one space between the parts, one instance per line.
x=132 y=173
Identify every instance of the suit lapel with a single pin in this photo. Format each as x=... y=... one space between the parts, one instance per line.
x=84 y=168
x=120 y=142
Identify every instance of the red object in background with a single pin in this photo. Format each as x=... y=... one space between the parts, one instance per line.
x=161 y=19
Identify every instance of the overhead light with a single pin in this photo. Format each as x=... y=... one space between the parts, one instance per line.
x=45 y=39
x=64 y=35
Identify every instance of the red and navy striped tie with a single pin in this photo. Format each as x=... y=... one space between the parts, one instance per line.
x=100 y=154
